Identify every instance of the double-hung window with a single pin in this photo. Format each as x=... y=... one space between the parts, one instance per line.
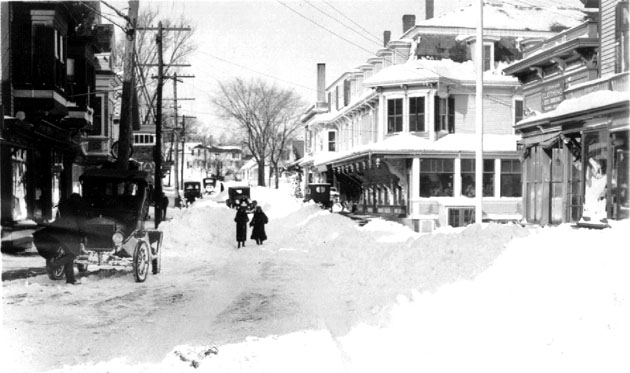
x=394 y=115
x=444 y=114
x=332 y=141
x=416 y=114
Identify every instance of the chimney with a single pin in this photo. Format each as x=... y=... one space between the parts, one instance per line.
x=429 y=7
x=409 y=20
x=387 y=35
x=321 y=82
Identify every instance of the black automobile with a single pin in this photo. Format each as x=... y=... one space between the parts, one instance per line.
x=116 y=204
x=319 y=193
x=192 y=191
x=238 y=195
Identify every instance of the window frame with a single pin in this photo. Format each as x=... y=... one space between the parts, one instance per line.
x=419 y=116
x=444 y=169
x=331 y=144
x=396 y=116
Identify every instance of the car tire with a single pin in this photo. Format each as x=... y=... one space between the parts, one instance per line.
x=156 y=262
x=55 y=273
x=141 y=256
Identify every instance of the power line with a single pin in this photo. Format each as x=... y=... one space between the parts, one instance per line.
x=318 y=25
x=346 y=17
x=257 y=72
x=343 y=24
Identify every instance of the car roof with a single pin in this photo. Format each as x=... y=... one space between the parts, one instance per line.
x=115 y=174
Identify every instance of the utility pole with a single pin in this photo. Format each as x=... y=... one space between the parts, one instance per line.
x=184 y=141
x=124 y=137
x=176 y=79
x=157 y=154
x=479 y=116
x=157 y=151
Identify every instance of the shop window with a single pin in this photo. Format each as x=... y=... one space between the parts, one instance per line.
x=394 y=115
x=436 y=177
x=621 y=203
x=468 y=177
x=445 y=114
x=97 y=120
x=416 y=114
x=511 y=178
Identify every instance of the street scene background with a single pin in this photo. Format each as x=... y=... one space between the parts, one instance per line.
x=325 y=294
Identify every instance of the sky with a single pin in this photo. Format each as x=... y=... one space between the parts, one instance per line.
x=281 y=41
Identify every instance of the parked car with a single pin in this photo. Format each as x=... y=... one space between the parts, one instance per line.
x=238 y=195
x=209 y=185
x=319 y=193
x=192 y=191
x=117 y=205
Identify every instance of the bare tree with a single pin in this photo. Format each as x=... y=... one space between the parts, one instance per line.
x=261 y=112
x=278 y=145
x=177 y=46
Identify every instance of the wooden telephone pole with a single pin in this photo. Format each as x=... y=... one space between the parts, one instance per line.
x=157 y=153
x=124 y=137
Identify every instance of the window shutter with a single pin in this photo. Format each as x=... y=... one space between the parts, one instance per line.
x=436 y=114
x=329 y=101
x=451 y=115
x=346 y=92
x=337 y=97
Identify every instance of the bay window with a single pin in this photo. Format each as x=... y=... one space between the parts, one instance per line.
x=416 y=114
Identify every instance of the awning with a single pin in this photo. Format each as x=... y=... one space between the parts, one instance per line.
x=545 y=139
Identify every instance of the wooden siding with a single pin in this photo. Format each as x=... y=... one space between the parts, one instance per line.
x=497 y=113
x=608 y=42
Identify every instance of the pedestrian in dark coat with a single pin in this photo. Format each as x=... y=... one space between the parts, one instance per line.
x=258 y=223
x=241 y=220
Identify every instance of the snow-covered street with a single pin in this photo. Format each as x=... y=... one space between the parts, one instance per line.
x=326 y=295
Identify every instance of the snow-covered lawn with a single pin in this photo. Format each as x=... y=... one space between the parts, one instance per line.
x=325 y=295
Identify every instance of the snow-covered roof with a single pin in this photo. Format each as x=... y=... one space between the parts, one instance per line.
x=423 y=70
x=586 y=103
x=410 y=144
x=514 y=15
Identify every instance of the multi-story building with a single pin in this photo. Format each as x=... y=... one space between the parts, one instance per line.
x=397 y=134
x=49 y=102
x=575 y=138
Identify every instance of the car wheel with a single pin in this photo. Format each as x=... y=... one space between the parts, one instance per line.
x=55 y=272
x=156 y=262
x=141 y=262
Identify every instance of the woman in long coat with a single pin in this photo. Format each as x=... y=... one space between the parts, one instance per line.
x=241 y=220
x=258 y=223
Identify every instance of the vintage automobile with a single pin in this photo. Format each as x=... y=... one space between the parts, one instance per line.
x=209 y=185
x=116 y=204
x=192 y=191
x=236 y=195
x=319 y=193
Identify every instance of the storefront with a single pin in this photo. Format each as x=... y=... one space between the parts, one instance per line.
x=575 y=164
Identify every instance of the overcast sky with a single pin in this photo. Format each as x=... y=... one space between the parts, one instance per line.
x=282 y=41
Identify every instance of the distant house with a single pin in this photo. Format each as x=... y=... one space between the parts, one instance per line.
x=214 y=160
x=396 y=135
x=575 y=88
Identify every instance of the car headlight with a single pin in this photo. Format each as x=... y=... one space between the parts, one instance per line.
x=118 y=238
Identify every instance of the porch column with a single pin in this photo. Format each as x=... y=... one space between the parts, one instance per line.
x=414 y=187
x=457 y=180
